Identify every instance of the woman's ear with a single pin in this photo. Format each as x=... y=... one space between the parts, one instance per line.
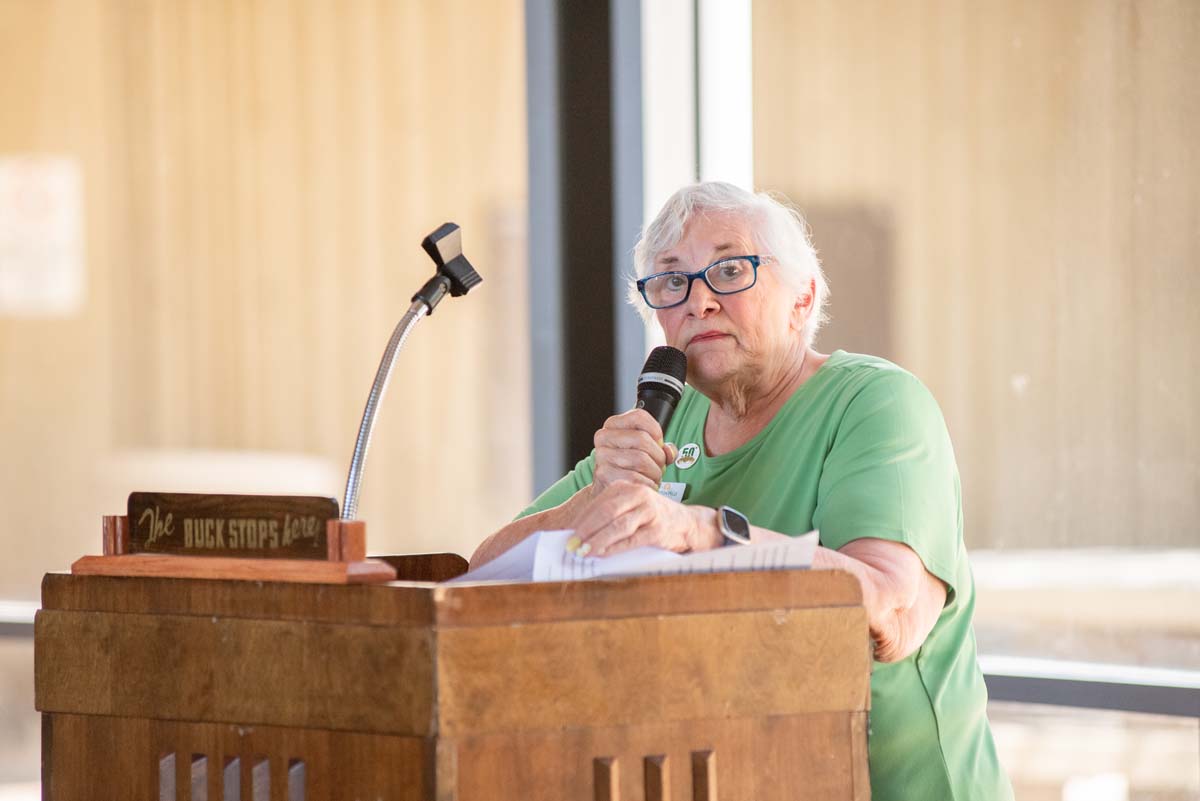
x=803 y=306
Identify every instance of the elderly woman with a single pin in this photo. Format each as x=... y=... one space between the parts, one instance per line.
x=793 y=440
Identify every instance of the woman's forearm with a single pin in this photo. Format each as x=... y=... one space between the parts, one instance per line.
x=559 y=517
x=901 y=598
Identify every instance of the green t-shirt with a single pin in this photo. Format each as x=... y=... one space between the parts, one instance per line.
x=861 y=450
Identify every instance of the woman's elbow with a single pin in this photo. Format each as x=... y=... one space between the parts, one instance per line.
x=894 y=640
x=904 y=629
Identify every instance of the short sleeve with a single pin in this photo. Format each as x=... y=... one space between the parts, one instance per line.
x=560 y=491
x=890 y=474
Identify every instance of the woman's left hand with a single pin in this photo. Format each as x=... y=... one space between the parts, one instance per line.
x=626 y=515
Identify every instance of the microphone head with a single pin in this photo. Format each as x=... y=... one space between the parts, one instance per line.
x=665 y=359
x=660 y=386
x=665 y=367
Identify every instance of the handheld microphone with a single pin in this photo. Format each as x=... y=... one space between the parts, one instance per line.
x=660 y=386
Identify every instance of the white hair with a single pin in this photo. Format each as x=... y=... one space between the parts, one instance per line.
x=778 y=230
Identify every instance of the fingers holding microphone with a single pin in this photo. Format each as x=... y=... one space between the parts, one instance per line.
x=629 y=448
x=624 y=508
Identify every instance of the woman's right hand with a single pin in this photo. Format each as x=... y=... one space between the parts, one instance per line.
x=630 y=448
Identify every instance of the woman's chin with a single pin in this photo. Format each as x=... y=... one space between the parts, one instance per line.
x=710 y=369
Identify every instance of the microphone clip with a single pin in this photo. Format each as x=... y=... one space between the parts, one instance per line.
x=455 y=275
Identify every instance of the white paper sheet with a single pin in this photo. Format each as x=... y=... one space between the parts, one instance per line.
x=543 y=556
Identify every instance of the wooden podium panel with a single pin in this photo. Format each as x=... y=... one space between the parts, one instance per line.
x=765 y=759
x=101 y=757
x=730 y=686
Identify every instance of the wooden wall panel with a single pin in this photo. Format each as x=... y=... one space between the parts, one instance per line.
x=258 y=178
x=55 y=377
x=1038 y=168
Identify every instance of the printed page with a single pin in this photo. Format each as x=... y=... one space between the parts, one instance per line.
x=791 y=554
x=543 y=556
x=554 y=563
x=515 y=564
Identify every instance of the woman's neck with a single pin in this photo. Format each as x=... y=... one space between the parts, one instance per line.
x=740 y=410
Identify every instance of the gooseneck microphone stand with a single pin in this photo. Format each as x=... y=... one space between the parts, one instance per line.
x=455 y=276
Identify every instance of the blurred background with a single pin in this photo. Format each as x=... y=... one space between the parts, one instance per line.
x=210 y=215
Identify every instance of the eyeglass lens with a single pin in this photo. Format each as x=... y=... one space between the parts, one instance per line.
x=724 y=277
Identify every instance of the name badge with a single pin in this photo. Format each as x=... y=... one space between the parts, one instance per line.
x=673 y=490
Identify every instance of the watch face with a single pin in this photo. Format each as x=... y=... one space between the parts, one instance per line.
x=735 y=525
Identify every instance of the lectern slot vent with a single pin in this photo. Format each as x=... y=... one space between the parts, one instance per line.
x=704 y=776
x=296 y=777
x=199 y=778
x=656 y=778
x=231 y=780
x=260 y=780
x=166 y=777
x=606 y=781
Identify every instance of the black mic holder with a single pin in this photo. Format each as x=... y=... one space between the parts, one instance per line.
x=454 y=273
x=455 y=276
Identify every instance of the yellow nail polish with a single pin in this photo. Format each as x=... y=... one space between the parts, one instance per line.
x=572 y=544
x=585 y=549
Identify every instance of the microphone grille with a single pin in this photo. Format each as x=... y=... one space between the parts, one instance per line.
x=668 y=360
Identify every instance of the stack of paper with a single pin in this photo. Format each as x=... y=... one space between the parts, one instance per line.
x=543 y=556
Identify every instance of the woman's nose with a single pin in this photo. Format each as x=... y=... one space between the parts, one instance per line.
x=702 y=300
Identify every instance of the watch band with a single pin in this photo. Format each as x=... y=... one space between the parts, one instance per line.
x=734 y=526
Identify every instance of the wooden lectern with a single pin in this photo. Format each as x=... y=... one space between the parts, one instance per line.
x=733 y=686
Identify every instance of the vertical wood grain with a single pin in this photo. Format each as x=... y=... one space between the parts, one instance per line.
x=860 y=775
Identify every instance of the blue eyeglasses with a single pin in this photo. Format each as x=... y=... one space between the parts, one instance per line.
x=725 y=277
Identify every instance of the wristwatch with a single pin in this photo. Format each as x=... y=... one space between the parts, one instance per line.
x=734 y=526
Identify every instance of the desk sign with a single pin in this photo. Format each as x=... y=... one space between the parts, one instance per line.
x=270 y=526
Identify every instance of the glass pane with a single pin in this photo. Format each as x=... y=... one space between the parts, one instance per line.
x=20 y=725
x=1061 y=754
x=1004 y=198
x=1128 y=606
